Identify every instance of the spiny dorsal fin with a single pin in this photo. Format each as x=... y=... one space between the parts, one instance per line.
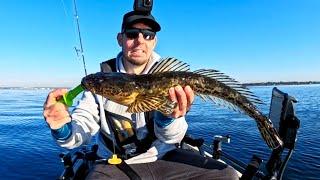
x=169 y=64
x=211 y=73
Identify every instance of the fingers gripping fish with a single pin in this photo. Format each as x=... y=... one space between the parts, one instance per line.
x=148 y=92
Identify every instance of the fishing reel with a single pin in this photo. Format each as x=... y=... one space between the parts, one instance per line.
x=143 y=6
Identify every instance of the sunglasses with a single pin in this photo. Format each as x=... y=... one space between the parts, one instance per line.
x=134 y=33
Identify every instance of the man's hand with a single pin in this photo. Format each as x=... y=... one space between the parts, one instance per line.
x=184 y=98
x=56 y=113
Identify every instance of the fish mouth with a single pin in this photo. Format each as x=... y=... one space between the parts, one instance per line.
x=84 y=83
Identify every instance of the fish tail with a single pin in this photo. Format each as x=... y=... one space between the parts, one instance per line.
x=269 y=134
x=228 y=92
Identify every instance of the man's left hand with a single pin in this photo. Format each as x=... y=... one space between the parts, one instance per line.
x=184 y=98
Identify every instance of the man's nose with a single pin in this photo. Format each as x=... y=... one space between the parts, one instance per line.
x=140 y=38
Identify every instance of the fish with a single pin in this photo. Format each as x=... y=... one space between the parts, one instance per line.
x=147 y=92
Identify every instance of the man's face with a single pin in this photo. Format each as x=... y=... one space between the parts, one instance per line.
x=136 y=50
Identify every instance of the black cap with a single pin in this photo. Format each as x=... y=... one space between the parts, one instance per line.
x=136 y=16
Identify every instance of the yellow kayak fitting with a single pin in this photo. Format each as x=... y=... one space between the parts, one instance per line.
x=114 y=160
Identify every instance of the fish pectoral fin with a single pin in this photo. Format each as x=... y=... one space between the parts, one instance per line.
x=145 y=103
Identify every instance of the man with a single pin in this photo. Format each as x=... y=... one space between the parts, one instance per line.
x=127 y=134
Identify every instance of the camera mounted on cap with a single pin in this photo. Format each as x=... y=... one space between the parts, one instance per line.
x=143 y=6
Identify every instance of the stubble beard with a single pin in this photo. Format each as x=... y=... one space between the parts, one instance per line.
x=136 y=62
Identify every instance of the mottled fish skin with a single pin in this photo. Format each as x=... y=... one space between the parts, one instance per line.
x=148 y=92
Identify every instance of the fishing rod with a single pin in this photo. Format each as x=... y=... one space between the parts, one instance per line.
x=73 y=93
x=79 y=37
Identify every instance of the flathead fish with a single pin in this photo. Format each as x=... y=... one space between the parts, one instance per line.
x=150 y=91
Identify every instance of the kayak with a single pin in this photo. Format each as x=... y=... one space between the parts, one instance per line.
x=81 y=163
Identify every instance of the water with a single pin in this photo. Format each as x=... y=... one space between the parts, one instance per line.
x=27 y=150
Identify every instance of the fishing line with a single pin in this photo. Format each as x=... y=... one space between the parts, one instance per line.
x=64 y=8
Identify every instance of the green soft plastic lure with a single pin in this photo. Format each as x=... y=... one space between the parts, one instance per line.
x=68 y=98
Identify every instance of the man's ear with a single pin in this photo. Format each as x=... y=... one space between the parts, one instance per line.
x=120 y=38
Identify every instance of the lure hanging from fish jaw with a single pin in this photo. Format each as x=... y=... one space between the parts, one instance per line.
x=150 y=91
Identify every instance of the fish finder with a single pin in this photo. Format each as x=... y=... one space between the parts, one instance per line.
x=282 y=114
x=143 y=5
x=283 y=117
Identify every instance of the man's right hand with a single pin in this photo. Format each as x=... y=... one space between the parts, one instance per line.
x=56 y=113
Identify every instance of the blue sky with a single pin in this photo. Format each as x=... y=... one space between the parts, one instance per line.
x=250 y=40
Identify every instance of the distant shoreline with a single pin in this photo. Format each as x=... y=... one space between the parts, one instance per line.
x=282 y=83
x=245 y=84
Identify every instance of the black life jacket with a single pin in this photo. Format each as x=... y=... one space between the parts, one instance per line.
x=119 y=146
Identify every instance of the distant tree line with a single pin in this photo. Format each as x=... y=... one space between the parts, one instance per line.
x=281 y=83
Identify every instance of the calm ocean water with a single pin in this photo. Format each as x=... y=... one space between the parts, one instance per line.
x=27 y=150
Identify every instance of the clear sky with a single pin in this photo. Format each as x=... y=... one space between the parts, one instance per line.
x=250 y=40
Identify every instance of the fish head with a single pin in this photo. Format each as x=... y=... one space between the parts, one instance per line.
x=110 y=85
